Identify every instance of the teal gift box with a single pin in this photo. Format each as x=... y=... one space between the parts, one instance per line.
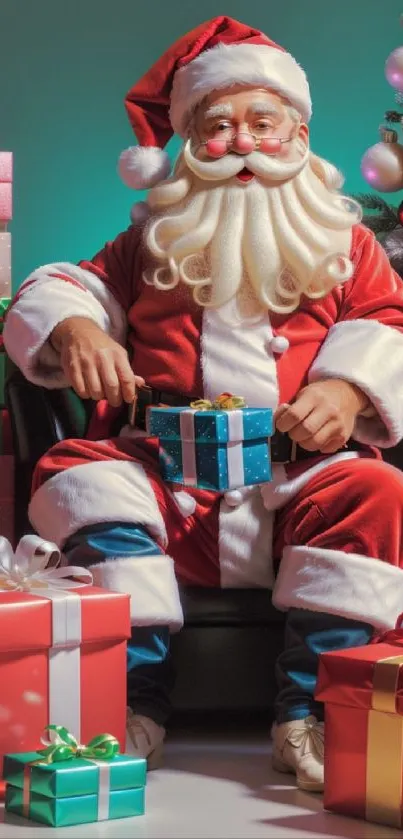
x=212 y=448
x=76 y=791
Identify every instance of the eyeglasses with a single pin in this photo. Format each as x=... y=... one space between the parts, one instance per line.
x=246 y=143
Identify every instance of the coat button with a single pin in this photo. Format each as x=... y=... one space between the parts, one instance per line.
x=279 y=344
x=233 y=497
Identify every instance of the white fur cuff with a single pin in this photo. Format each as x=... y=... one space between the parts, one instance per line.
x=350 y=585
x=71 y=291
x=101 y=491
x=368 y=354
x=151 y=583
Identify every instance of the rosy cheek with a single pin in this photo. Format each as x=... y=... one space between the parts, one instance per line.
x=270 y=145
x=216 y=148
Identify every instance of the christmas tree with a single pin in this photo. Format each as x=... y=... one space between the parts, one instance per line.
x=382 y=168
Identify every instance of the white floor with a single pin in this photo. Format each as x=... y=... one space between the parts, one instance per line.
x=215 y=788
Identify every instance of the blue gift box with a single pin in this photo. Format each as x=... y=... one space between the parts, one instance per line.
x=213 y=449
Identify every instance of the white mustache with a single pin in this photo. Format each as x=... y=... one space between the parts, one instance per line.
x=264 y=166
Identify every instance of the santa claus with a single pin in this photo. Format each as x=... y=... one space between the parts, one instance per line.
x=245 y=271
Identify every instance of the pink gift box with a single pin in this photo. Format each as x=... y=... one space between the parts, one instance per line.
x=6 y=167
x=48 y=675
x=6 y=202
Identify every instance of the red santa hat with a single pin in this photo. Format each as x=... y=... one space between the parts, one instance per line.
x=215 y=55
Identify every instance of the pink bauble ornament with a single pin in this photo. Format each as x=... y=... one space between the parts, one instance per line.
x=394 y=69
x=382 y=165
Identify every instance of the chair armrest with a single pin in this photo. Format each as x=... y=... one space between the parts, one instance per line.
x=40 y=417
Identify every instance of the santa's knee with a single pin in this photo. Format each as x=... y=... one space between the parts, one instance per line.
x=63 y=455
x=349 y=562
x=75 y=489
x=105 y=516
x=123 y=556
x=372 y=482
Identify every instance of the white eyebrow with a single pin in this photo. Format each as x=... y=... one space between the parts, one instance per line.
x=264 y=108
x=225 y=109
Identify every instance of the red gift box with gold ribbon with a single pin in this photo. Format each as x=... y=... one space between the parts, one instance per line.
x=362 y=689
x=62 y=650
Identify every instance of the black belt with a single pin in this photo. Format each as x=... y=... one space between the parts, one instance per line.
x=283 y=449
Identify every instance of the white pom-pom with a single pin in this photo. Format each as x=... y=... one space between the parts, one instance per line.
x=233 y=497
x=186 y=504
x=141 y=167
x=139 y=213
x=279 y=344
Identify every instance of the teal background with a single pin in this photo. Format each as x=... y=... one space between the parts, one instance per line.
x=65 y=67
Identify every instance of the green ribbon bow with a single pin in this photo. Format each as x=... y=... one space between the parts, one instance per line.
x=4 y=305
x=64 y=746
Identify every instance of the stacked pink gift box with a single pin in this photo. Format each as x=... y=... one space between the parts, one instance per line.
x=6 y=458
x=6 y=213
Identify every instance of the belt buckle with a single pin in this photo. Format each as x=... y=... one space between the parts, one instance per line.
x=293 y=454
x=147 y=401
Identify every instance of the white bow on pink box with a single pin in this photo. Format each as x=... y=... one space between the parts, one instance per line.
x=35 y=565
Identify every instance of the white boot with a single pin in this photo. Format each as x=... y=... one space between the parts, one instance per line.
x=145 y=738
x=298 y=747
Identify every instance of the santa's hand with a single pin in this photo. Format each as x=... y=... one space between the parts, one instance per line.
x=323 y=415
x=93 y=363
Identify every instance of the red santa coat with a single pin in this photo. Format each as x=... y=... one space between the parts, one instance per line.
x=355 y=334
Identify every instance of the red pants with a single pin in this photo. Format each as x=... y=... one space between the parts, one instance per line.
x=337 y=542
x=354 y=506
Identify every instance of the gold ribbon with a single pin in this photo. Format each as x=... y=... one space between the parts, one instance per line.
x=223 y=402
x=385 y=747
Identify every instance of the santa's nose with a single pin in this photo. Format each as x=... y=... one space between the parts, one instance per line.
x=243 y=143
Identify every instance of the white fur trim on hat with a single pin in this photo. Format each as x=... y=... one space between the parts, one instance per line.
x=228 y=64
x=141 y=167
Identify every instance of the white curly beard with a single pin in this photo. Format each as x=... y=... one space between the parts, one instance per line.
x=285 y=233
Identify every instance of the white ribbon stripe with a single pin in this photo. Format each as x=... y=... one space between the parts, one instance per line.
x=236 y=475
x=28 y=570
x=187 y=432
x=104 y=788
x=104 y=774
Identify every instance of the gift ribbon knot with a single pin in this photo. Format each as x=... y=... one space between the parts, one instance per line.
x=391 y=636
x=35 y=565
x=62 y=745
x=223 y=402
